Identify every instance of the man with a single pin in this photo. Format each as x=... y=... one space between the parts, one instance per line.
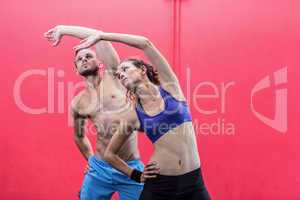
x=103 y=102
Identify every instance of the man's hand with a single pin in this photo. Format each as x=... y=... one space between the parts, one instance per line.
x=87 y=168
x=54 y=35
x=88 y=42
x=151 y=171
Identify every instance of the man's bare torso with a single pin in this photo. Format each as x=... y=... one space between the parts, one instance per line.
x=106 y=107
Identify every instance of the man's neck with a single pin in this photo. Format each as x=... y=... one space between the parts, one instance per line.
x=92 y=81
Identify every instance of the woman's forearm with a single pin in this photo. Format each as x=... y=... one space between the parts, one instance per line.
x=131 y=40
x=117 y=163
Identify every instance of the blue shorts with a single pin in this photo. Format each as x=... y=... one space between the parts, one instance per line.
x=102 y=180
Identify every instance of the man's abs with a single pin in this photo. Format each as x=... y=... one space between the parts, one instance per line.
x=128 y=151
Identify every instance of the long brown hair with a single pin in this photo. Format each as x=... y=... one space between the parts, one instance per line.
x=151 y=73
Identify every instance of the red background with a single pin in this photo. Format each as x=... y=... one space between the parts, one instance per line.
x=220 y=41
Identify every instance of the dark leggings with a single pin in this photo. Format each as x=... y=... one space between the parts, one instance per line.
x=189 y=186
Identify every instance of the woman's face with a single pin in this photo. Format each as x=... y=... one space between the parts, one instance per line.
x=130 y=75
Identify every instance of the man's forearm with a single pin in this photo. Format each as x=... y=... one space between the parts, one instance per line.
x=77 y=31
x=84 y=147
x=104 y=49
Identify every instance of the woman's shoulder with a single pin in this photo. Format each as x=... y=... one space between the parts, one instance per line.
x=173 y=90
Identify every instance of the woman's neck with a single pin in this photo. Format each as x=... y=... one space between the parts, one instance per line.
x=146 y=92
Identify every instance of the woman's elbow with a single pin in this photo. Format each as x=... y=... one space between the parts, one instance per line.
x=108 y=156
x=146 y=43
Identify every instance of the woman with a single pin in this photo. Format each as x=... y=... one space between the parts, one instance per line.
x=162 y=113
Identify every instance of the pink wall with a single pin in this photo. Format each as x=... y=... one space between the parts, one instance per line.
x=219 y=44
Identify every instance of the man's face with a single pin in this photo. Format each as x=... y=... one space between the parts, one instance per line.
x=86 y=62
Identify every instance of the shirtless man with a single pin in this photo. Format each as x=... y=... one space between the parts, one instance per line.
x=103 y=102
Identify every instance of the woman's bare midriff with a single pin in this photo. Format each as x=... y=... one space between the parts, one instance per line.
x=176 y=151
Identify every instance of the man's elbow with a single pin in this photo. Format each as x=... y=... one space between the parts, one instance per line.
x=78 y=139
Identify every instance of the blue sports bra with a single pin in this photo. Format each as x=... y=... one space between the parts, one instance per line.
x=175 y=113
